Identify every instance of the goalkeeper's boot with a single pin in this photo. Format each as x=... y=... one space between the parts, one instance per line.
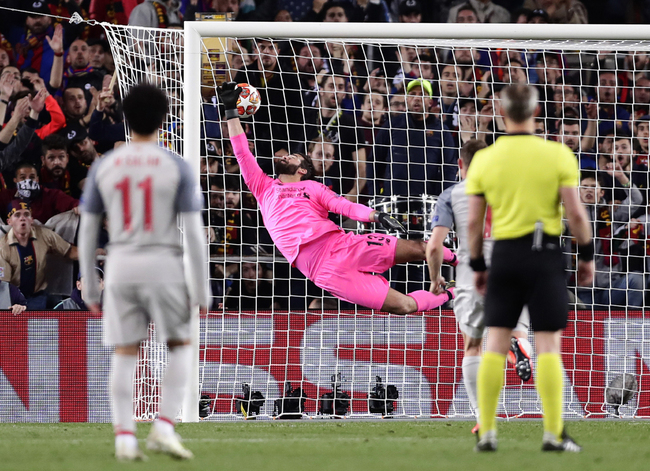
x=486 y=442
x=127 y=449
x=566 y=443
x=168 y=443
x=519 y=356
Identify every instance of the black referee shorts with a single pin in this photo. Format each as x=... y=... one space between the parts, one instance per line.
x=521 y=276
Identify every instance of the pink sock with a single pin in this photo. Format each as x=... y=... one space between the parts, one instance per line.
x=449 y=257
x=426 y=300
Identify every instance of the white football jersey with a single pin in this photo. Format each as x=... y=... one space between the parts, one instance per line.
x=142 y=189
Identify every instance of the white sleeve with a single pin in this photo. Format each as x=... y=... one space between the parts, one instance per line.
x=88 y=234
x=196 y=259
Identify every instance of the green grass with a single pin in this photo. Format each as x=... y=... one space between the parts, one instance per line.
x=331 y=445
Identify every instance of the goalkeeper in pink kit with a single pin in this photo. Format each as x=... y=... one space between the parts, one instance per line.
x=295 y=211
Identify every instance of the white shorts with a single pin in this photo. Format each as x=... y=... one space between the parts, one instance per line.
x=468 y=310
x=130 y=307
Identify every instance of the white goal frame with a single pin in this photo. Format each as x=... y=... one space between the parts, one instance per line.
x=612 y=37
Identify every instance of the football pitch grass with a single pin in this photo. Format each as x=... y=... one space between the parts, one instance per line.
x=332 y=445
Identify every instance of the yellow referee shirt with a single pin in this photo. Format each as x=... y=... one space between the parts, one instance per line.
x=520 y=176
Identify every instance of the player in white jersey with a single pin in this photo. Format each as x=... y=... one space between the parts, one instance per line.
x=143 y=190
x=452 y=211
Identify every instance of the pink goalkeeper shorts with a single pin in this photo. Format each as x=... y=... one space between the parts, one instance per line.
x=343 y=263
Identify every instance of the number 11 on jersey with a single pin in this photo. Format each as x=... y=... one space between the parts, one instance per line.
x=146 y=185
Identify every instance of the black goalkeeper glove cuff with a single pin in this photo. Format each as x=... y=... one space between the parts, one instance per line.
x=390 y=223
x=229 y=95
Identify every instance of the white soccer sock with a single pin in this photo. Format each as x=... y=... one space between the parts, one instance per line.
x=122 y=392
x=126 y=440
x=470 y=375
x=175 y=382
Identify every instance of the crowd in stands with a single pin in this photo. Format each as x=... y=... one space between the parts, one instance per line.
x=382 y=123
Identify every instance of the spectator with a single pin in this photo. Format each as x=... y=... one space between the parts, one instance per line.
x=38 y=93
x=43 y=202
x=570 y=136
x=397 y=105
x=410 y=11
x=521 y=15
x=104 y=10
x=98 y=51
x=75 y=107
x=609 y=277
x=253 y=292
x=57 y=171
x=641 y=96
x=277 y=127
x=309 y=64
x=641 y=134
x=76 y=301
x=106 y=125
x=538 y=16
x=633 y=172
x=561 y=11
x=486 y=11
x=283 y=15
x=449 y=97
x=80 y=146
x=465 y=14
x=156 y=14
x=11 y=298
x=323 y=155
x=5 y=59
x=340 y=128
x=12 y=147
x=23 y=254
x=80 y=74
x=611 y=114
x=33 y=50
x=549 y=68
x=415 y=154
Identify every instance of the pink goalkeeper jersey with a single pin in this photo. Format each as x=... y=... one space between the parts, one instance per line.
x=293 y=213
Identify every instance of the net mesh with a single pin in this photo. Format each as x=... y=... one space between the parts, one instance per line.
x=344 y=102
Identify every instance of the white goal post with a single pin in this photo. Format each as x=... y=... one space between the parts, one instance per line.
x=611 y=343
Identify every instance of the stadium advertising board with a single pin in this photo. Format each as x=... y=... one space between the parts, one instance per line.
x=53 y=366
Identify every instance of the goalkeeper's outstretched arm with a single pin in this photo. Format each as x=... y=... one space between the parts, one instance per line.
x=253 y=175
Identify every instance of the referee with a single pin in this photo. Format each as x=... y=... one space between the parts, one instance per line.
x=524 y=179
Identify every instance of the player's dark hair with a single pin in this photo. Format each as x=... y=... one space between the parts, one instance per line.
x=307 y=164
x=145 y=108
x=23 y=165
x=468 y=150
x=54 y=142
x=519 y=102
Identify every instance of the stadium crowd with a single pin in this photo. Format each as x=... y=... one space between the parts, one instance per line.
x=382 y=123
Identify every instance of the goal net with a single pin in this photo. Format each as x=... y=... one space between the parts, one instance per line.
x=346 y=101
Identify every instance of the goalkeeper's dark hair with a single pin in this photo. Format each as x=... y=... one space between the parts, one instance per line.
x=307 y=164
x=519 y=102
x=468 y=150
x=145 y=108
